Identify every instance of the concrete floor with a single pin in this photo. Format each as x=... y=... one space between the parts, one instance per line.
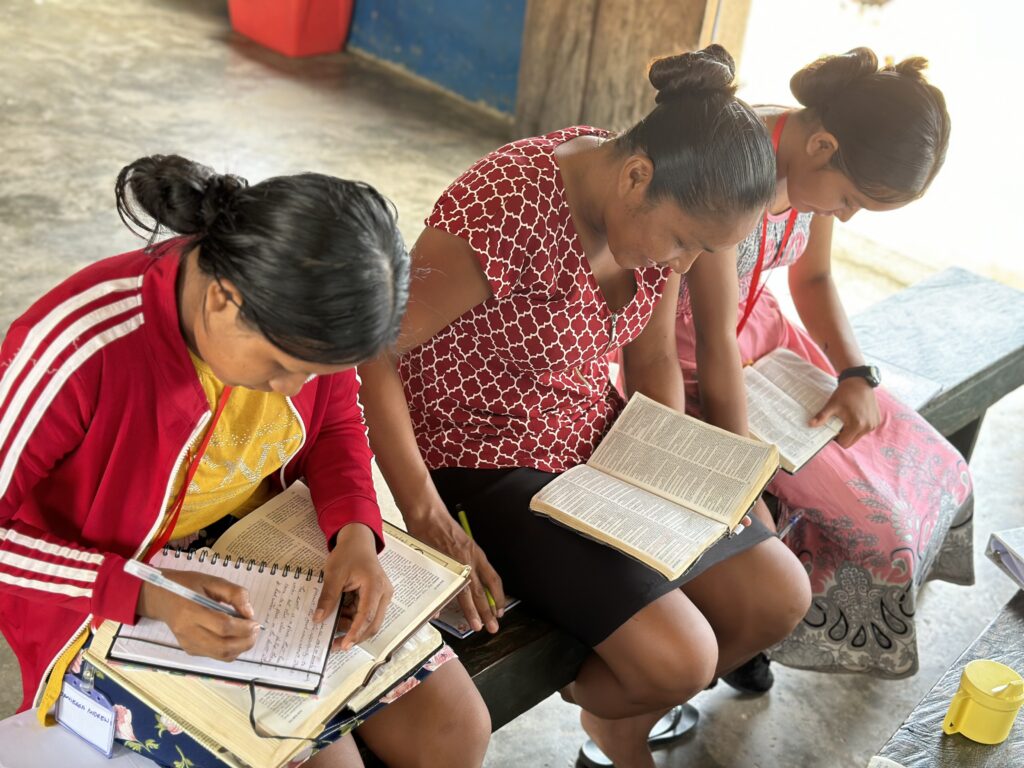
x=89 y=87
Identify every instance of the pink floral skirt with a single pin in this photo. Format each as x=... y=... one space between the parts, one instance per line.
x=877 y=520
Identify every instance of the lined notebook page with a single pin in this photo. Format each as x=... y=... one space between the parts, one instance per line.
x=290 y=651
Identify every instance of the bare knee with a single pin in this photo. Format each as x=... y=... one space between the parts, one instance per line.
x=460 y=732
x=463 y=733
x=784 y=599
x=341 y=754
x=679 y=675
x=663 y=663
x=442 y=723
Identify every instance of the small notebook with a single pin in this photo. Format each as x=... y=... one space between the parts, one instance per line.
x=453 y=621
x=1006 y=550
x=290 y=652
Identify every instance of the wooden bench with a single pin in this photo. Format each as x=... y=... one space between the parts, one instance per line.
x=920 y=743
x=917 y=337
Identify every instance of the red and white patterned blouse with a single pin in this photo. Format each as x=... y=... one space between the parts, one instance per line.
x=521 y=380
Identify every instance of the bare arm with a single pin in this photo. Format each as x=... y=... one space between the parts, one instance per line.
x=447 y=281
x=650 y=363
x=817 y=300
x=714 y=296
x=821 y=311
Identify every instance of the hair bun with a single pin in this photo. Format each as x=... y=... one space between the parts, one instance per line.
x=708 y=70
x=218 y=195
x=912 y=68
x=821 y=81
x=176 y=193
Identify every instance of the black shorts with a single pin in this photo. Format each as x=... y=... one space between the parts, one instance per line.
x=587 y=589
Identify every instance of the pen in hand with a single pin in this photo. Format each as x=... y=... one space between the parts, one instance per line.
x=464 y=521
x=155 y=576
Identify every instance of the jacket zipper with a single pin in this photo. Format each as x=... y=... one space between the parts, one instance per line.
x=145 y=543
x=302 y=426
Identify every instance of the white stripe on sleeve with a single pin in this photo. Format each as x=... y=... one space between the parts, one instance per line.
x=83 y=353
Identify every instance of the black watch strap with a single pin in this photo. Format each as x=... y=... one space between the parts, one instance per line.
x=869 y=373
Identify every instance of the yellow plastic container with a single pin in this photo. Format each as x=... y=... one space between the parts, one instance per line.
x=984 y=708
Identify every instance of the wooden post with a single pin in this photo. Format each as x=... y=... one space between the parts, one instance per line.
x=586 y=61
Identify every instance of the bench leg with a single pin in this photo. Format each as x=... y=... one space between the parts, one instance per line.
x=965 y=438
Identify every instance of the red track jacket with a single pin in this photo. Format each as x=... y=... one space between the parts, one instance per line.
x=99 y=405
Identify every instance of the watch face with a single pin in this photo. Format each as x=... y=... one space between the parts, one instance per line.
x=869 y=373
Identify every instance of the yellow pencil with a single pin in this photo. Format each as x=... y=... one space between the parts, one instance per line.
x=465 y=526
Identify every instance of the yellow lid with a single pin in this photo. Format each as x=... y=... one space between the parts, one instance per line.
x=993 y=685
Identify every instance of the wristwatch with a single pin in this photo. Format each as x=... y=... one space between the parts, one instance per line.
x=869 y=373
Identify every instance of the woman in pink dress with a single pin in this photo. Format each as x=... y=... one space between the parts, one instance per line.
x=875 y=506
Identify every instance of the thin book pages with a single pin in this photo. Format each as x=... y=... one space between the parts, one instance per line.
x=661 y=487
x=291 y=650
x=784 y=392
x=216 y=712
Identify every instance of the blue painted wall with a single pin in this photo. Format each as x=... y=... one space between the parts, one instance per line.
x=470 y=47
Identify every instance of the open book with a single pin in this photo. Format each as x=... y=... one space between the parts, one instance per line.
x=216 y=713
x=661 y=487
x=784 y=392
x=1006 y=550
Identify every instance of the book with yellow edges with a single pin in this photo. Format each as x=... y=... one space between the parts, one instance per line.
x=784 y=392
x=662 y=487
x=216 y=712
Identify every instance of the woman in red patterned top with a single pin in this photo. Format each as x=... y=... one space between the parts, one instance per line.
x=536 y=262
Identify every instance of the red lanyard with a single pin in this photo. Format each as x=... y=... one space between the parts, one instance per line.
x=165 y=535
x=756 y=289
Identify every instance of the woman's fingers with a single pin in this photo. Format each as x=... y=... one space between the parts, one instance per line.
x=467 y=603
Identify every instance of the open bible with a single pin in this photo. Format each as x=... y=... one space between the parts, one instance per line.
x=784 y=392
x=661 y=487
x=216 y=713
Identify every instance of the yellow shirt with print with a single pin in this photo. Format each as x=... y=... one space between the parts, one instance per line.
x=257 y=433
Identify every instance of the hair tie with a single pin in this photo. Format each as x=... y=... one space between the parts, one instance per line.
x=219 y=196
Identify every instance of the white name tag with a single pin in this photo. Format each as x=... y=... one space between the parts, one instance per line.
x=87 y=714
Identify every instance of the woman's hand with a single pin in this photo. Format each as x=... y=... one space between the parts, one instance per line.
x=353 y=570
x=438 y=529
x=855 y=405
x=201 y=631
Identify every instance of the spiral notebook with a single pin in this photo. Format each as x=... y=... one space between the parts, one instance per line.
x=214 y=710
x=290 y=652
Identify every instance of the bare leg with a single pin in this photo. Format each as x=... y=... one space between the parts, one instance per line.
x=752 y=600
x=762 y=513
x=341 y=754
x=441 y=723
x=661 y=657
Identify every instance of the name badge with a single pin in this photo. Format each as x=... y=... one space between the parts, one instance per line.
x=87 y=713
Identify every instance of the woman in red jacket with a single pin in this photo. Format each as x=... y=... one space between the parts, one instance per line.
x=240 y=337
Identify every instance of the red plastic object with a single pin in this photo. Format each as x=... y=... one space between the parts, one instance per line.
x=293 y=27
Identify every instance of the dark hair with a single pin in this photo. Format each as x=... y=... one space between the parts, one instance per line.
x=891 y=124
x=319 y=261
x=710 y=151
